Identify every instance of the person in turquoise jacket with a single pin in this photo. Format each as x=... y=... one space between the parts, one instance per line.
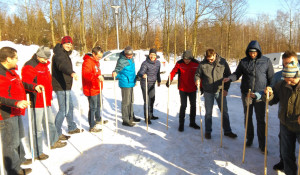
x=125 y=73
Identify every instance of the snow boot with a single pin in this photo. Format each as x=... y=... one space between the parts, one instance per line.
x=181 y=128
x=194 y=125
x=279 y=166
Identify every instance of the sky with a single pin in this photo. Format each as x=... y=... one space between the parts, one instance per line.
x=263 y=7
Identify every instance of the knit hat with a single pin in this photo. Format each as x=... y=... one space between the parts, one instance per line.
x=187 y=55
x=152 y=51
x=291 y=70
x=252 y=50
x=66 y=39
x=43 y=52
x=128 y=50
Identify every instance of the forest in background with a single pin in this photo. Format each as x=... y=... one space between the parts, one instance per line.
x=170 y=26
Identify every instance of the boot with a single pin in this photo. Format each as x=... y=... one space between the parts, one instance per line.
x=181 y=128
x=193 y=123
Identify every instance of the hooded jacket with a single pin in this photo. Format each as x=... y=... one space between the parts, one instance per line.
x=90 y=73
x=186 y=75
x=125 y=69
x=212 y=74
x=36 y=73
x=11 y=91
x=257 y=73
x=61 y=69
x=152 y=69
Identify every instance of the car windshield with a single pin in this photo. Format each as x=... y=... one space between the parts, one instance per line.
x=106 y=53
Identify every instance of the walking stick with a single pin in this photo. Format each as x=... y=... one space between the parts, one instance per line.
x=222 y=99
x=299 y=161
x=247 y=115
x=79 y=108
x=116 y=104
x=168 y=101
x=30 y=128
x=199 y=97
x=46 y=117
x=266 y=132
x=101 y=108
x=1 y=152
x=146 y=102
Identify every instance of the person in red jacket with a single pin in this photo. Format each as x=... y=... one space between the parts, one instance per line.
x=13 y=104
x=36 y=71
x=186 y=68
x=91 y=80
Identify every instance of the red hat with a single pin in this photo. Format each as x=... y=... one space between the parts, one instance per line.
x=66 y=39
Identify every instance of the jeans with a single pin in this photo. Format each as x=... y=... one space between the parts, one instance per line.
x=288 y=146
x=65 y=110
x=127 y=104
x=183 y=101
x=209 y=103
x=38 y=125
x=151 y=98
x=260 y=108
x=12 y=131
x=94 y=109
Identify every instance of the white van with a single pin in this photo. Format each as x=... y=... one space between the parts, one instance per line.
x=276 y=59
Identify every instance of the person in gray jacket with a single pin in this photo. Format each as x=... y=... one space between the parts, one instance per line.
x=257 y=71
x=211 y=71
x=150 y=70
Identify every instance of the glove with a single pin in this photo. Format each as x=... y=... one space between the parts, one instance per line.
x=250 y=100
x=167 y=84
x=201 y=90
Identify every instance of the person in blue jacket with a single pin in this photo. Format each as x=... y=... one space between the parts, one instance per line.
x=257 y=71
x=150 y=70
x=125 y=73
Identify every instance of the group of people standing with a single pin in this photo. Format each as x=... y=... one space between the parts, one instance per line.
x=211 y=76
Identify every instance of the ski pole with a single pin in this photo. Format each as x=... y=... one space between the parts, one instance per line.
x=1 y=154
x=266 y=132
x=30 y=127
x=199 y=97
x=146 y=93
x=79 y=107
x=46 y=118
x=168 y=101
x=247 y=115
x=101 y=108
x=299 y=160
x=222 y=99
x=116 y=104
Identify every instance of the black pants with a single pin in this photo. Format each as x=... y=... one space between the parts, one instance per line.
x=127 y=104
x=151 y=98
x=183 y=100
x=260 y=108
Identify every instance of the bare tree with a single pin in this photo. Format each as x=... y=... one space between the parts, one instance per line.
x=63 y=18
x=184 y=21
x=82 y=28
x=175 y=32
x=51 y=24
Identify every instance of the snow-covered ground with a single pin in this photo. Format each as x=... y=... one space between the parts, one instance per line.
x=134 y=150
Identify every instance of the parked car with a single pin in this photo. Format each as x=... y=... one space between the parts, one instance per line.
x=110 y=58
x=276 y=59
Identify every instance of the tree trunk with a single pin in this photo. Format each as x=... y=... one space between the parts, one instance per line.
x=92 y=21
x=195 y=28
x=175 y=33
x=82 y=28
x=184 y=22
x=63 y=18
x=52 y=25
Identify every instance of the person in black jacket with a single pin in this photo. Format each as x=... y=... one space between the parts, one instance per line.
x=150 y=69
x=62 y=80
x=257 y=72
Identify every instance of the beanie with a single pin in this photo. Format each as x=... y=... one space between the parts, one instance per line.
x=43 y=52
x=128 y=50
x=152 y=51
x=252 y=50
x=187 y=55
x=291 y=70
x=66 y=39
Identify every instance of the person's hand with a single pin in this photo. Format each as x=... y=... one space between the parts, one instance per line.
x=75 y=76
x=268 y=90
x=158 y=84
x=145 y=76
x=39 y=88
x=101 y=78
x=225 y=93
x=252 y=95
x=197 y=83
x=226 y=80
x=22 y=104
x=114 y=74
x=167 y=83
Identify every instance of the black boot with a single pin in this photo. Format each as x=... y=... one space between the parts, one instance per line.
x=193 y=123
x=279 y=166
x=181 y=128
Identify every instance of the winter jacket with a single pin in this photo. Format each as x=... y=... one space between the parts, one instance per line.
x=36 y=73
x=289 y=102
x=61 y=69
x=186 y=74
x=152 y=69
x=11 y=91
x=125 y=68
x=212 y=74
x=257 y=73
x=90 y=73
